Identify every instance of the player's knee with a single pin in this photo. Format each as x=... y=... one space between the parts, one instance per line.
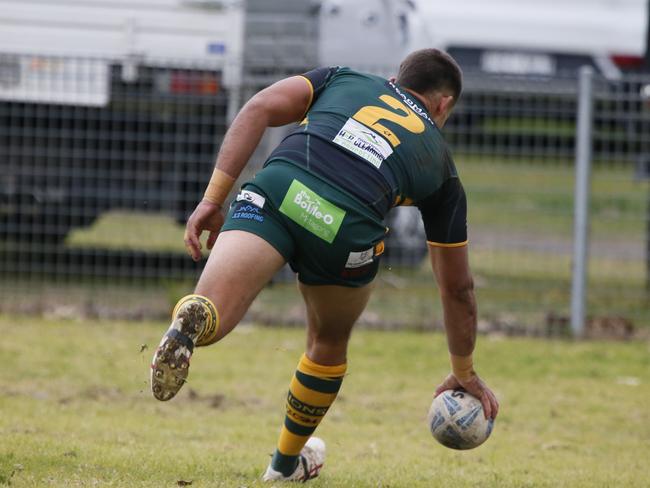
x=330 y=334
x=327 y=348
x=201 y=312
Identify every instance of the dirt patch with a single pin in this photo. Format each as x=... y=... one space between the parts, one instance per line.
x=94 y=393
x=213 y=401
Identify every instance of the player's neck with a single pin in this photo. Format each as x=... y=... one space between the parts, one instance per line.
x=420 y=98
x=431 y=104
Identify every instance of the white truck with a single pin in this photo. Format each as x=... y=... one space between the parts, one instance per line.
x=47 y=39
x=535 y=37
x=110 y=103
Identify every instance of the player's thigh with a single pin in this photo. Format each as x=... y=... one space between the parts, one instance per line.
x=239 y=266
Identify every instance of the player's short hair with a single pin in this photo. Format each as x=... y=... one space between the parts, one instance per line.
x=428 y=70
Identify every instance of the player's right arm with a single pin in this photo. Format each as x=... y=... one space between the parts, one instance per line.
x=444 y=214
x=451 y=268
x=281 y=103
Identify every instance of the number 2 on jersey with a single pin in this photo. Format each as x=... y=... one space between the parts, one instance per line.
x=370 y=116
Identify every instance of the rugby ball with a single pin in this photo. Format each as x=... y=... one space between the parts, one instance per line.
x=456 y=420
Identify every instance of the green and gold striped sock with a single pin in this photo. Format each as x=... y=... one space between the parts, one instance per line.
x=312 y=391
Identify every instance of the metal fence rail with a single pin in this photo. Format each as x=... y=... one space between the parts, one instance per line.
x=94 y=190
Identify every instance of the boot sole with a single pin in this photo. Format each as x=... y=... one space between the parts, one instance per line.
x=169 y=370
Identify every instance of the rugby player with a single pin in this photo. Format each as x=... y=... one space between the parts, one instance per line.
x=363 y=145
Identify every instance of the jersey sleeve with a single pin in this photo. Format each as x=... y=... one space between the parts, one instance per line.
x=318 y=79
x=444 y=214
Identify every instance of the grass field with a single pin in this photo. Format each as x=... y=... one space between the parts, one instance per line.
x=76 y=411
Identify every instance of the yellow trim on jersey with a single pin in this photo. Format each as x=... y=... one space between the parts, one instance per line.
x=453 y=244
x=402 y=201
x=311 y=95
x=380 y=248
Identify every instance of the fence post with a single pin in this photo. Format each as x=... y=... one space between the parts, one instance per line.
x=581 y=209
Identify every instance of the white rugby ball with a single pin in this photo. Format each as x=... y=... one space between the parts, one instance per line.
x=456 y=420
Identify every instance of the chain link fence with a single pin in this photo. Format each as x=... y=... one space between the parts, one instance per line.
x=101 y=162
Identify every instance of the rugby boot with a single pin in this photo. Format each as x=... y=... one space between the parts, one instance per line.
x=310 y=462
x=195 y=320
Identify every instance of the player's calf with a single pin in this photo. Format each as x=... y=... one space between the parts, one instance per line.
x=195 y=322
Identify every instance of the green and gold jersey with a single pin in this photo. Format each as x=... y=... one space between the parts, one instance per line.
x=375 y=140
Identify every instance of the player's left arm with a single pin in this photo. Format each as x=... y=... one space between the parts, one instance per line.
x=283 y=102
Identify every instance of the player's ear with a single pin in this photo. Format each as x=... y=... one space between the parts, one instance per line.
x=392 y=79
x=445 y=104
x=440 y=106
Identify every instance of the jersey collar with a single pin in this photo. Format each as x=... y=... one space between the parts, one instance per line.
x=414 y=102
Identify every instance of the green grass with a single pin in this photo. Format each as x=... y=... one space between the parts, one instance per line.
x=135 y=231
x=529 y=126
x=76 y=411
x=538 y=199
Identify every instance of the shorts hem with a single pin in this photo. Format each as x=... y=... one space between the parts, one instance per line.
x=348 y=284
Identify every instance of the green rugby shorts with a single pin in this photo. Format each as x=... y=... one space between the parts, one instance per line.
x=327 y=236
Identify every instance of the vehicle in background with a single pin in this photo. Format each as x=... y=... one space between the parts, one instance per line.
x=109 y=104
x=544 y=38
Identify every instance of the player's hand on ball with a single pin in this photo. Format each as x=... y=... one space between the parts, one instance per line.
x=207 y=216
x=476 y=387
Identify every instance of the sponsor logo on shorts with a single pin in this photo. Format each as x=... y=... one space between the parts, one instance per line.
x=363 y=142
x=360 y=258
x=311 y=211
x=251 y=197
x=248 y=212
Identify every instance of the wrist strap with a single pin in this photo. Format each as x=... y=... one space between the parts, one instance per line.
x=462 y=367
x=219 y=187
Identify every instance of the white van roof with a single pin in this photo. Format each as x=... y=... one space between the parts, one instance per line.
x=381 y=32
x=595 y=27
